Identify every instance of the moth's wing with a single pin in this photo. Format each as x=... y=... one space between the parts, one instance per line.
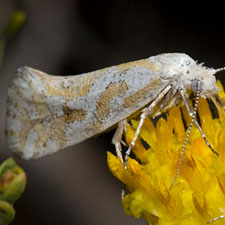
x=48 y=113
x=38 y=114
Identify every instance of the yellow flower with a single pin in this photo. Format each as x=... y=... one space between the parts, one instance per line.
x=198 y=194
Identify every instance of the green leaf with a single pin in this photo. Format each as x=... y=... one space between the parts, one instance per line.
x=12 y=181
x=7 y=165
x=7 y=213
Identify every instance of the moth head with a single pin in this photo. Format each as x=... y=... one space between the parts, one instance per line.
x=193 y=76
x=203 y=79
x=186 y=73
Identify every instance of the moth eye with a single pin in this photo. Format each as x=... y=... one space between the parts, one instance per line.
x=194 y=85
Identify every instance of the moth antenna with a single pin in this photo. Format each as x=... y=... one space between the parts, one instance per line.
x=215 y=219
x=219 y=70
x=187 y=137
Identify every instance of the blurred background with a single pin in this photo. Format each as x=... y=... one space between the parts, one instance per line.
x=74 y=186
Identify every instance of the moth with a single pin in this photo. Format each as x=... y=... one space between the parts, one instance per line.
x=48 y=113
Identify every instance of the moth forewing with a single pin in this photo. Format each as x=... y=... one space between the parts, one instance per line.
x=48 y=113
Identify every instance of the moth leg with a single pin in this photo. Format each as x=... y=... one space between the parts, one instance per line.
x=220 y=101
x=188 y=107
x=215 y=219
x=117 y=138
x=145 y=112
x=216 y=99
x=216 y=103
x=166 y=102
x=168 y=97
x=193 y=119
x=117 y=141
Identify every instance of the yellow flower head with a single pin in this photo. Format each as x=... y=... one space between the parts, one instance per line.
x=198 y=194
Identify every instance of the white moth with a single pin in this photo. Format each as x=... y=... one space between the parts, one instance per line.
x=48 y=113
